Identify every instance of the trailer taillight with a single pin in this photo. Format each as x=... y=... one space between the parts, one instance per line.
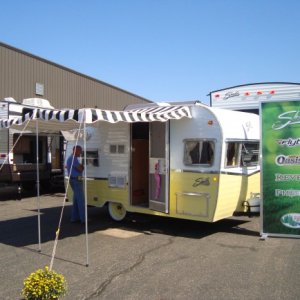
x=2 y=155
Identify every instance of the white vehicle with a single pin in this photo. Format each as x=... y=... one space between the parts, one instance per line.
x=203 y=168
x=18 y=151
x=247 y=97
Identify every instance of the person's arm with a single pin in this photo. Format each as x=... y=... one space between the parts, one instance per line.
x=78 y=166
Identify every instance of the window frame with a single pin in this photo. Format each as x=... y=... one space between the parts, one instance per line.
x=118 y=149
x=187 y=157
x=92 y=157
x=239 y=156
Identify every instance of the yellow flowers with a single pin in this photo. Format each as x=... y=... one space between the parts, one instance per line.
x=44 y=284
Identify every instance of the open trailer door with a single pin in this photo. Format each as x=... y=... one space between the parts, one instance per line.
x=149 y=161
x=158 y=166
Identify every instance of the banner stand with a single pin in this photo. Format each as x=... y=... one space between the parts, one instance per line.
x=280 y=168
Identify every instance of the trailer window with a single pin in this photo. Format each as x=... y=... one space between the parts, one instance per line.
x=92 y=158
x=242 y=154
x=233 y=152
x=198 y=152
x=250 y=154
x=117 y=149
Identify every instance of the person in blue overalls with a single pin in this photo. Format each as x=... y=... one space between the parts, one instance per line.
x=75 y=169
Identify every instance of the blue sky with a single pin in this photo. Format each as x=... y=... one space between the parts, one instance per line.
x=163 y=50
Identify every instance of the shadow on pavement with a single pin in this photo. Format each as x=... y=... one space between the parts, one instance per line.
x=11 y=192
x=185 y=228
x=22 y=232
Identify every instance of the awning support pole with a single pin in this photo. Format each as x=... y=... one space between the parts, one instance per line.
x=85 y=191
x=38 y=182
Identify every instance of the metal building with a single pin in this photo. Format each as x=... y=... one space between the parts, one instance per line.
x=24 y=75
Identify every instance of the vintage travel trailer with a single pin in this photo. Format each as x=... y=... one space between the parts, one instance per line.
x=202 y=167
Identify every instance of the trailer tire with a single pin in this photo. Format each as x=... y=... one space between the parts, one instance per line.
x=116 y=211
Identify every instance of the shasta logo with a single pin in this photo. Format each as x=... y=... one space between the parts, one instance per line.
x=286 y=119
x=201 y=181
x=231 y=95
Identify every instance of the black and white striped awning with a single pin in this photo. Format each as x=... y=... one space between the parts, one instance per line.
x=92 y=115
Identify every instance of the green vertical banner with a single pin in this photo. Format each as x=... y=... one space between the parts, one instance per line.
x=280 y=139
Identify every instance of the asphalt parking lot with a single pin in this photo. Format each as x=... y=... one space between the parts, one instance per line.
x=144 y=257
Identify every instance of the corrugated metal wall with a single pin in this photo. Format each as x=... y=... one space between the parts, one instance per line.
x=63 y=87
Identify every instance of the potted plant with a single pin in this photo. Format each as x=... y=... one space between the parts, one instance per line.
x=44 y=284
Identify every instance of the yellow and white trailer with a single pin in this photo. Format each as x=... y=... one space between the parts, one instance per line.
x=204 y=168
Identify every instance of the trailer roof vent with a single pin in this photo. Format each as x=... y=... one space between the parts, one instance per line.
x=39 y=102
x=10 y=99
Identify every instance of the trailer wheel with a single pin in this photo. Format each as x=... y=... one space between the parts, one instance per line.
x=116 y=211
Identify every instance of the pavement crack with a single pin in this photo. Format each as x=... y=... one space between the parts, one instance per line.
x=102 y=287
x=236 y=247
